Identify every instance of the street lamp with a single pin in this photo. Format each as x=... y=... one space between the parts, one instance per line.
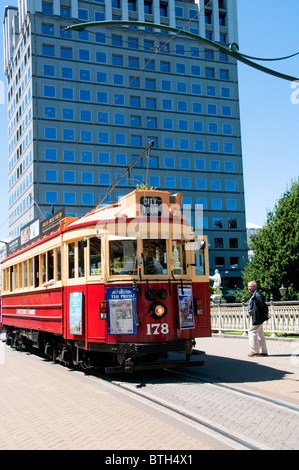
x=282 y=290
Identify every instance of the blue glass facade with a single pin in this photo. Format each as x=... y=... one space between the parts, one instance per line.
x=87 y=104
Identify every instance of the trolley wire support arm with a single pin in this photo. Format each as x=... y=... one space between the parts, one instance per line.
x=231 y=50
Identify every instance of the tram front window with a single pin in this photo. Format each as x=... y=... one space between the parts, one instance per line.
x=123 y=260
x=95 y=256
x=178 y=257
x=199 y=258
x=154 y=257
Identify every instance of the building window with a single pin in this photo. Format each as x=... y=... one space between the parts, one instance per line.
x=67 y=93
x=48 y=50
x=68 y=155
x=49 y=70
x=66 y=52
x=84 y=95
x=150 y=103
x=69 y=176
x=87 y=199
x=47 y=9
x=215 y=165
x=49 y=112
x=218 y=243
x=219 y=261
x=84 y=75
x=67 y=72
x=48 y=29
x=216 y=185
x=83 y=54
x=232 y=223
x=233 y=243
x=50 y=154
x=217 y=222
x=69 y=198
x=230 y=185
x=200 y=183
x=166 y=85
x=168 y=143
x=85 y=115
x=104 y=158
x=103 y=137
x=167 y=123
x=231 y=204
x=68 y=134
x=135 y=101
x=50 y=133
x=86 y=177
x=86 y=156
x=200 y=165
x=216 y=203
x=51 y=197
x=229 y=167
x=51 y=176
x=104 y=179
x=154 y=181
x=67 y=114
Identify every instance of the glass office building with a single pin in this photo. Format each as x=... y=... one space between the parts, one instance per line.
x=82 y=106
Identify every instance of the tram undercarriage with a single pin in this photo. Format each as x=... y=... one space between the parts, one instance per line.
x=114 y=358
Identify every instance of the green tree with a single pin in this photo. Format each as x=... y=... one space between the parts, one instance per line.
x=276 y=250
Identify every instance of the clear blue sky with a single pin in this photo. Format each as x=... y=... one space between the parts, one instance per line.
x=269 y=120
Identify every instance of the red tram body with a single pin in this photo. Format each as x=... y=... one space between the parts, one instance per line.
x=123 y=286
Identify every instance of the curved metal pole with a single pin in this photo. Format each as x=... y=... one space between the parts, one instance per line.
x=236 y=55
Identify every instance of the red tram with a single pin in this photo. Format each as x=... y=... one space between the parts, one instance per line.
x=121 y=287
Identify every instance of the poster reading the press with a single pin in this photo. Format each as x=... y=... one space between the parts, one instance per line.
x=186 y=311
x=122 y=311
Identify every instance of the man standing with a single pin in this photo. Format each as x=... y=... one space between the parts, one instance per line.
x=258 y=312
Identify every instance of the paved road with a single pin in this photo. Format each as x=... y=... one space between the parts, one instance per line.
x=46 y=406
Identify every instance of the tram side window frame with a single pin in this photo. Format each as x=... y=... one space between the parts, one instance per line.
x=95 y=259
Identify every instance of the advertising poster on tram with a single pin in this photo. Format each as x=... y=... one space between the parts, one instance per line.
x=186 y=311
x=75 y=313
x=122 y=311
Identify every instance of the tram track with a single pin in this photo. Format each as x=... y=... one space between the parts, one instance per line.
x=211 y=381
x=226 y=432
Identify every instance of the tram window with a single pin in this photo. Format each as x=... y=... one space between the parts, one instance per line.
x=123 y=257
x=95 y=256
x=199 y=260
x=50 y=267
x=16 y=276
x=81 y=260
x=12 y=284
x=36 y=271
x=44 y=266
x=26 y=274
x=58 y=264
x=178 y=257
x=71 y=255
x=154 y=257
x=31 y=272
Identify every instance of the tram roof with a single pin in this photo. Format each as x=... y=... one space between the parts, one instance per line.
x=138 y=203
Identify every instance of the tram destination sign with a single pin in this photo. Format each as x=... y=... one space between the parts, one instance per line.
x=151 y=205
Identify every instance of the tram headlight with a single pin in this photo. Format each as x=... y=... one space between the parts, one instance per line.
x=158 y=310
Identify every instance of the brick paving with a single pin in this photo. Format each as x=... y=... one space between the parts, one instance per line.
x=276 y=375
x=46 y=406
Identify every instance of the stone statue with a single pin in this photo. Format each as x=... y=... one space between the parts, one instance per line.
x=217 y=281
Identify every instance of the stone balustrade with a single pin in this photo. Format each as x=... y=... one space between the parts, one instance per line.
x=284 y=318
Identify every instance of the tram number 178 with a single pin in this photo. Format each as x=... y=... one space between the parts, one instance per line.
x=157 y=328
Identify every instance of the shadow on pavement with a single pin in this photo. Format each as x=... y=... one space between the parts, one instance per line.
x=238 y=371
